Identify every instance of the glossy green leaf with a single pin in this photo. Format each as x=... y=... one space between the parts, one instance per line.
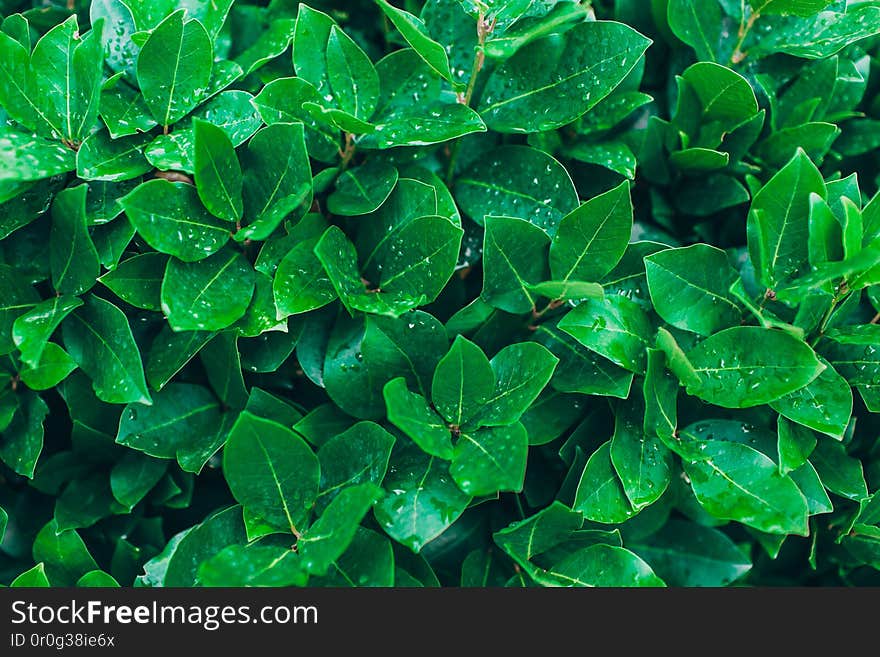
x=161 y=430
x=174 y=67
x=759 y=366
x=328 y=538
x=411 y=413
x=507 y=184
x=171 y=219
x=514 y=260
x=602 y=565
x=362 y=190
x=737 y=482
x=217 y=172
x=98 y=337
x=778 y=224
x=416 y=34
x=421 y=499
x=271 y=471
x=463 y=382
x=689 y=288
x=32 y=330
x=490 y=460
x=613 y=327
x=138 y=280
x=357 y=455
x=207 y=295
x=73 y=258
x=600 y=494
x=277 y=179
x=824 y=404
x=591 y=240
x=553 y=81
x=253 y=565
x=688 y=554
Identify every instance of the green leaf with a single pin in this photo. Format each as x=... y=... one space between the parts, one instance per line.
x=66 y=78
x=689 y=288
x=171 y=219
x=416 y=34
x=98 y=337
x=688 y=554
x=63 y=554
x=725 y=97
x=32 y=330
x=209 y=294
x=133 y=476
x=463 y=382
x=600 y=494
x=356 y=456
x=174 y=67
x=300 y=282
x=120 y=52
x=328 y=538
x=72 y=255
x=123 y=109
x=22 y=438
x=825 y=404
x=794 y=446
x=581 y=370
x=102 y=158
x=517 y=181
x=271 y=471
x=736 y=482
x=840 y=473
x=54 y=366
x=277 y=179
x=778 y=226
x=698 y=24
x=539 y=533
x=641 y=460
x=253 y=565
x=514 y=260
x=217 y=172
x=410 y=345
x=362 y=190
x=170 y=352
x=660 y=390
x=351 y=74
x=17 y=296
x=33 y=578
x=193 y=546
x=411 y=413
x=490 y=460
x=138 y=280
x=555 y=80
x=789 y=7
x=602 y=565
x=368 y=561
x=184 y=423
x=748 y=366
x=521 y=371
x=591 y=240
x=613 y=327
x=421 y=499
x=25 y=157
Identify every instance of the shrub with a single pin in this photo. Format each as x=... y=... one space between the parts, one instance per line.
x=511 y=293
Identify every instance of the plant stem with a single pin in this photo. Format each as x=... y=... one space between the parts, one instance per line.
x=745 y=27
x=835 y=304
x=347 y=153
x=484 y=29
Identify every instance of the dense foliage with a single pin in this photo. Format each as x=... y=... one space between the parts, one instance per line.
x=507 y=292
